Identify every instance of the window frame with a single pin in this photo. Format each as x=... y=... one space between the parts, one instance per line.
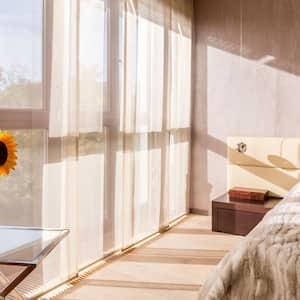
x=30 y=118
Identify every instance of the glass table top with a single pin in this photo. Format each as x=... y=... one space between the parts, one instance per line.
x=26 y=245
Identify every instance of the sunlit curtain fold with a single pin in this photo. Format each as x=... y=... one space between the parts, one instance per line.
x=156 y=110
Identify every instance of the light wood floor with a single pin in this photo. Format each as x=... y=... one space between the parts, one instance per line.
x=172 y=266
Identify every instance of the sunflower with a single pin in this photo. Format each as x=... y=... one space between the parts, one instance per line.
x=8 y=155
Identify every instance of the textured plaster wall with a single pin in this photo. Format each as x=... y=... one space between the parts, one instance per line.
x=246 y=82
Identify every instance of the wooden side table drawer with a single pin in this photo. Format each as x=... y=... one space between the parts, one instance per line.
x=236 y=217
x=234 y=221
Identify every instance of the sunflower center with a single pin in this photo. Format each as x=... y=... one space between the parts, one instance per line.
x=3 y=153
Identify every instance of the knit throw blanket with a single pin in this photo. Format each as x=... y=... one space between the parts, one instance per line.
x=266 y=264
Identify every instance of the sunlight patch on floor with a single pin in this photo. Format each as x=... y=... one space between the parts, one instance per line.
x=173 y=265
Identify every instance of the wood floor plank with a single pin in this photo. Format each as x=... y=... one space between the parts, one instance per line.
x=179 y=252
x=173 y=260
x=140 y=285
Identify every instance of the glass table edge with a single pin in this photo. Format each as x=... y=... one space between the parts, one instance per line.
x=32 y=228
x=36 y=260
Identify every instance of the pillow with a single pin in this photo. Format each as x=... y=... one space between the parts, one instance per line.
x=295 y=191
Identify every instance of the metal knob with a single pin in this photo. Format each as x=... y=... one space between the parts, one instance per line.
x=241 y=147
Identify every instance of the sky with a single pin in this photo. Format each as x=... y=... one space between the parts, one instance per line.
x=21 y=36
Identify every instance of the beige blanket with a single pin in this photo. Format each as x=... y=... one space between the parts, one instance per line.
x=266 y=264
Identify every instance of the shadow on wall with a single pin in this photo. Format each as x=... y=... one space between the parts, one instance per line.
x=246 y=81
x=263 y=31
x=274 y=172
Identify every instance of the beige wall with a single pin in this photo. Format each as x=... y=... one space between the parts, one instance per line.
x=246 y=82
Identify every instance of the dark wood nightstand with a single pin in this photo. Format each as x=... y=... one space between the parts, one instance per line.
x=238 y=217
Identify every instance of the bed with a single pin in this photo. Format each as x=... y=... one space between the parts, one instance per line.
x=266 y=264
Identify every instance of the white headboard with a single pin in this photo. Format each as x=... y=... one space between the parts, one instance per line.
x=267 y=163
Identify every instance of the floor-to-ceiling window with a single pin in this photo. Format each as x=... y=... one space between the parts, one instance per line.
x=97 y=93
